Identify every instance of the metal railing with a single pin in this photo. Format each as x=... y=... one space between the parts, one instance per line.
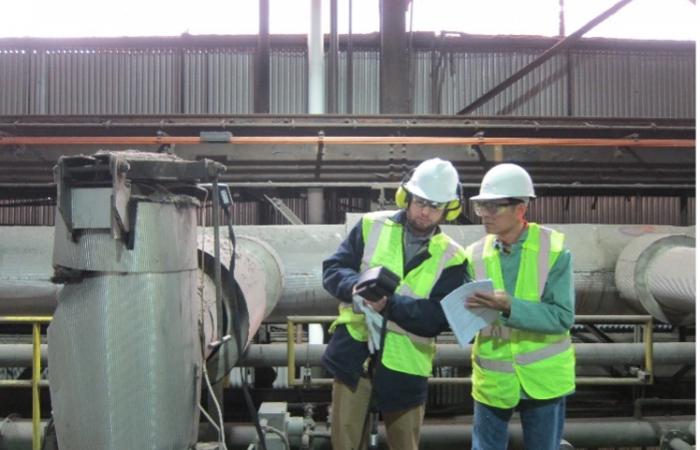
x=35 y=382
x=642 y=376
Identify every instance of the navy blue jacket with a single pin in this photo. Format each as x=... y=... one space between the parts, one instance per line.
x=344 y=356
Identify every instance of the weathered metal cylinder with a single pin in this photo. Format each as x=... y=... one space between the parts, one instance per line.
x=125 y=355
x=657 y=271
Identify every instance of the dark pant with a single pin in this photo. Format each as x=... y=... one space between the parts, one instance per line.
x=542 y=422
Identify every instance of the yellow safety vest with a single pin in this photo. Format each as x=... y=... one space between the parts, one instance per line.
x=504 y=358
x=383 y=237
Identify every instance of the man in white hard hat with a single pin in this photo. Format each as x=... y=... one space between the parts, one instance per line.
x=429 y=265
x=525 y=360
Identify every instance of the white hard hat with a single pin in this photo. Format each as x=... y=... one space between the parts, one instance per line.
x=505 y=181
x=435 y=180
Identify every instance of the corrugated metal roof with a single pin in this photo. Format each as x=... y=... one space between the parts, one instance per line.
x=632 y=84
x=554 y=209
x=288 y=82
x=609 y=82
x=14 y=93
x=608 y=210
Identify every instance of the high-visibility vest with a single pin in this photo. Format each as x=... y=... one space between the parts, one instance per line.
x=504 y=358
x=383 y=237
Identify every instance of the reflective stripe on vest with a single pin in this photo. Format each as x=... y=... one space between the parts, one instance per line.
x=394 y=327
x=371 y=242
x=403 y=351
x=479 y=269
x=543 y=364
x=525 y=358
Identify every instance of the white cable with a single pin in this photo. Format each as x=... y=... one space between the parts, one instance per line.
x=209 y=418
x=279 y=433
x=222 y=441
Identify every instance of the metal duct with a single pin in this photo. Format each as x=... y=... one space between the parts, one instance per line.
x=657 y=271
x=126 y=358
x=124 y=338
x=258 y=273
x=302 y=248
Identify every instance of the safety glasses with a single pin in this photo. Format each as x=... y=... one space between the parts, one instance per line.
x=493 y=207
x=424 y=203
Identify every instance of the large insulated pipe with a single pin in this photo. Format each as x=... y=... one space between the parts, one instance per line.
x=302 y=248
x=258 y=275
x=26 y=271
x=657 y=271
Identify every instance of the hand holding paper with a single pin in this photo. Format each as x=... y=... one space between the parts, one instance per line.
x=373 y=320
x=466 y=322
x=498 y=300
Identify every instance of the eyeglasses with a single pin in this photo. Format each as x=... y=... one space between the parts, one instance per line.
x=493 y=208
x=424 y=203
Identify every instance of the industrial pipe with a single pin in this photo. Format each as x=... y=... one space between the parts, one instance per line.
x=302 y=248
x=657 y=271
x=665 y=353
x=437 y=435
x=269 y=355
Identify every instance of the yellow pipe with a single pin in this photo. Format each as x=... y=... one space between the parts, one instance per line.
x=649 y=349
x=36 y=374
x=290 y=352
x=25 y=319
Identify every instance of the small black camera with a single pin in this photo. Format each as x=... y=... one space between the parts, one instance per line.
x=376 y=283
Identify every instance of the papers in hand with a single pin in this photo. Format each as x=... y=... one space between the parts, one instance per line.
x=373 y=320
x=466 y=322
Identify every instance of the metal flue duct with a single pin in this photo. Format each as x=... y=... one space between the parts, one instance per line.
x=125 y=354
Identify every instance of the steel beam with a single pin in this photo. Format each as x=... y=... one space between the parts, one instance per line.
x=261 y=93
x=559 y=46
x=393 y=69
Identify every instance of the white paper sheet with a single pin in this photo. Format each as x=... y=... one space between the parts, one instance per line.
x=465 y=323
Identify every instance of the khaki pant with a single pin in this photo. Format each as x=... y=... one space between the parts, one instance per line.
x=348 y=415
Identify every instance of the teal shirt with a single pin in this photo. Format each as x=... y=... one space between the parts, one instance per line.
x=554 y=314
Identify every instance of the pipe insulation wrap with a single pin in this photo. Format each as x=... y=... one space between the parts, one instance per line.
x=301 y=250
x=247 y=301
x=258 y=270
x=657 y=271
x=672 y=279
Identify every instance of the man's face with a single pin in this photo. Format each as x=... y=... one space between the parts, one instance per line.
x=500 y=216
x=423 y=215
